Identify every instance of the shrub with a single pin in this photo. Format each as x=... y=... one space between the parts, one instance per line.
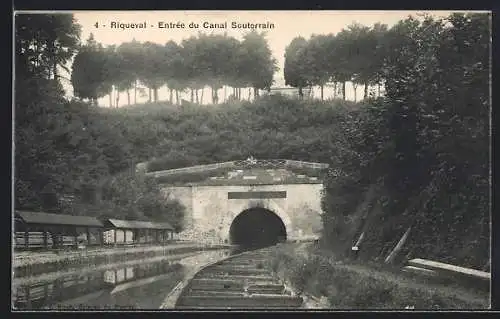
x=350 y=286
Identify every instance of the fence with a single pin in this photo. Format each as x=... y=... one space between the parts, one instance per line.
x=192 y=169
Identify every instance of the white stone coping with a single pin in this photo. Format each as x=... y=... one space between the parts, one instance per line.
x=439 y=266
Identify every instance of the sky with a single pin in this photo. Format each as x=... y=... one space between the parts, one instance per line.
x=287 y=26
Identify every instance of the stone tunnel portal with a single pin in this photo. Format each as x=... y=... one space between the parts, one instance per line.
x=256 y=228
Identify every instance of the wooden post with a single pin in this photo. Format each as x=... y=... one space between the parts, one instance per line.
x=88 y=235
x=45 y=239
x=360 y=239
x=54 y=237
x=76 y=236
x=60 y=238
x=26 y=238
x=398 y=247
x=64 y=232
x=101 y=236
x=114 y=232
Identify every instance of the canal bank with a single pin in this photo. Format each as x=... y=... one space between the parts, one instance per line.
x=35 y=263
x=193 y=266
x=329 y=283
x=136 y=284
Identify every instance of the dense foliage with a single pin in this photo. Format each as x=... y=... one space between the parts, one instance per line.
x=355 y=55
x=416 y=159
x=272 y=127
x=68 y=157
x=420 y=158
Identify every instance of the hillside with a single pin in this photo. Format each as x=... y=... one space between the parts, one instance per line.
x=414 y=162
x=277 y=127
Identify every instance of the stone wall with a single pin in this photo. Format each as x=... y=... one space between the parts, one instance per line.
x=209 y=212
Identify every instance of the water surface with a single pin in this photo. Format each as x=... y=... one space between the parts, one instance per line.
x=142 y=284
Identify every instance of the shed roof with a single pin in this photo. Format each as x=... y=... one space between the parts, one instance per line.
x=58 y=219
x=135 y=224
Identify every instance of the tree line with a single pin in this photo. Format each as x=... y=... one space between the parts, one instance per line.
x=415 y=161
x=68 y=158
x=197 y=62
x=417 y=171
x=357 y=54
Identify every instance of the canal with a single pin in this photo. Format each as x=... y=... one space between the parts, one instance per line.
x=141 y=284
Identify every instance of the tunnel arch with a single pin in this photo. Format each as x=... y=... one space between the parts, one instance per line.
x=257 y=227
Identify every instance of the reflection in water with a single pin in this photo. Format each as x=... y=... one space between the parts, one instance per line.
x=142 y=286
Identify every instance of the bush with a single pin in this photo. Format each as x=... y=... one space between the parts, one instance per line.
x=72 y=148
x=425 y=147
x=349 y=286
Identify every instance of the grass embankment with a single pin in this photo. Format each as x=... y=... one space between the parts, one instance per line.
x=67 y=260
x=311 y=271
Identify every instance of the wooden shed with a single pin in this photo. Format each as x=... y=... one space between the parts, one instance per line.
x=131 y=231
x=44 y=230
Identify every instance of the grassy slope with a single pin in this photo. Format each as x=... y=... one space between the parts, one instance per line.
x=353 y=286
x=274 y=127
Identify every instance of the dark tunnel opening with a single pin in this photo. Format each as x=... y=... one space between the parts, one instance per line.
x=257 y=228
